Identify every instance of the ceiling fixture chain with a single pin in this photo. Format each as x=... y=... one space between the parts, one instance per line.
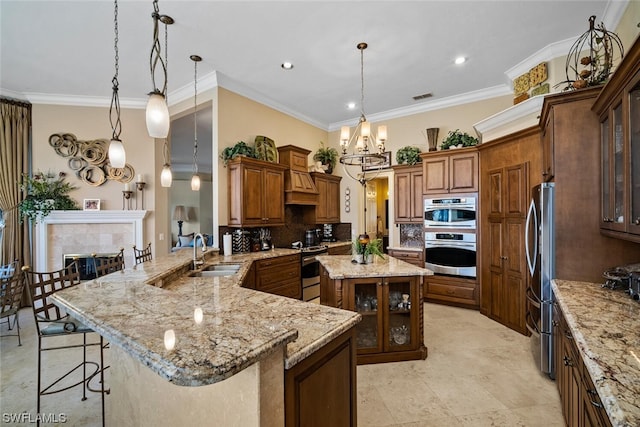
x=195 y=180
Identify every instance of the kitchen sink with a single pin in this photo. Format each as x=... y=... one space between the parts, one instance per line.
x=216 y=270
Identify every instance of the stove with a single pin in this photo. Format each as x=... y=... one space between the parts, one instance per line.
x=310 y=269
x=625 y=277
x=315 y=250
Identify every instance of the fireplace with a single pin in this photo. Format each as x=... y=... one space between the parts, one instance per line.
x=87 y=232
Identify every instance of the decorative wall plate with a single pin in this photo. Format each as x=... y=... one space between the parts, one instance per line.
x=538 y=74
x=266 y=149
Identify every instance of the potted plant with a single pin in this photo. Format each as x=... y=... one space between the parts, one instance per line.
x=45 y=192
x=239 y=149
x=458 y=139
x=408 y=155
x=374 y=247
x=328 y=156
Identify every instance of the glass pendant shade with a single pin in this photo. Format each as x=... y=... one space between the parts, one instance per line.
x=166 y=177
x=195 y=182
x=117 y=156
x=157 y=116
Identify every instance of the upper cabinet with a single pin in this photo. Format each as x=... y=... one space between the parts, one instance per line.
x=618 y=107
x=328 y=209
x=408 y=180
x=256 y=193
x=454 y=172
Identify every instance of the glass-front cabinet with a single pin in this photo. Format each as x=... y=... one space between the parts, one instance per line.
x=391 y=324
x=618 y=107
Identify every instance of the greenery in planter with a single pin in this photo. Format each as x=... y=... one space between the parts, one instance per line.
x=240 y=149
x=456 y=137
x=327 y=155
x=374 y=247
x=45 y=192
x=408 y=155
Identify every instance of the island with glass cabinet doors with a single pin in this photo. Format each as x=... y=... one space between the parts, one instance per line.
x=387 y=293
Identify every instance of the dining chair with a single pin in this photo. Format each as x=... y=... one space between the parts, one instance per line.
x=56 y=326
x=10 y=297
x=8 y=270
x=142 y=255
x=108 y=265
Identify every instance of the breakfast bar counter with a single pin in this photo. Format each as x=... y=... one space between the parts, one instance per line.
x=201 y=332
x=605 y=326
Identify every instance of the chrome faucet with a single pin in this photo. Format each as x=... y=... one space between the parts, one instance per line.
x=197 y=262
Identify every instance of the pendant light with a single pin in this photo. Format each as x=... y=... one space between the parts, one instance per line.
x=166 y=176
x=195 y=179
x=117 y=155
x=157 y=113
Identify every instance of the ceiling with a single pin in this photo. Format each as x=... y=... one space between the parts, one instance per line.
x=63 y=51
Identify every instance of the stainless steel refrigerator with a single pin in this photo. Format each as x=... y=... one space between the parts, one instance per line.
x=540 y=251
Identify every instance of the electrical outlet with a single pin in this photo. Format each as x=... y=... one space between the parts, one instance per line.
x=161 y=236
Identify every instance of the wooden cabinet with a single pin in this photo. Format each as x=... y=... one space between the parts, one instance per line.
x=256 y=193
x=279 y=276
x=548 y=148
x=389 y=331
x=249 y=280
x=340 y=249
x=321 y=389
x=328 y=209
x=505 y=176
x=408 y=202
x=618 y=107
x=581 y=404
x=412 y=256
x=454 y=172
x=576 y=160
x=449 y=290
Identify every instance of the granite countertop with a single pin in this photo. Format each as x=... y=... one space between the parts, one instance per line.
x=341 y=267
x=606 y=328
x=239 y=327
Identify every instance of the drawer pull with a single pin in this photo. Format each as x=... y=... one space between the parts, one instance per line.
x=594 y=393
x=567 y=361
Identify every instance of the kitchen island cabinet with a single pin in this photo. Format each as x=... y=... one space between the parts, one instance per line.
x=388 y=295
x=235 y=366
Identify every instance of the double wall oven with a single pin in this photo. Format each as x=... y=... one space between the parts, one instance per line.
x=450 y=235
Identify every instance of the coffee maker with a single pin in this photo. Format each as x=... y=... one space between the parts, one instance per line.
x=311 y=238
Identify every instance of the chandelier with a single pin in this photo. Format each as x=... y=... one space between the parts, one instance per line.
x=157 y=112
x=117 y=155
x=195 y=179
x=363 y=150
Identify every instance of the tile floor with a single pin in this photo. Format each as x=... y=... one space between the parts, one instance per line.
x=478 y=373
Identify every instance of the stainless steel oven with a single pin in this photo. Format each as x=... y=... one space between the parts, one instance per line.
x=311 y=273
x=450 y=212
x=451 y=253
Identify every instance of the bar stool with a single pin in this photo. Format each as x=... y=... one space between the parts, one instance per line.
x=10 y=295
x=142 y=255
x=107 y=265
x=52 y=322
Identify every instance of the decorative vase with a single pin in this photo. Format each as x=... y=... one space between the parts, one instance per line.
x=432 y=138
x=369 y=259
x=360 y=258
x=328 y=168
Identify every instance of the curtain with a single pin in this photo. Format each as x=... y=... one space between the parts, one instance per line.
x=15 y=134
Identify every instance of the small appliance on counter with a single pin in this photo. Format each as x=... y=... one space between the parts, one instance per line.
x=240 y=241
x=312 y=237
x=625 y=277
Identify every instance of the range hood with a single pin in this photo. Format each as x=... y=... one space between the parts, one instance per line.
x=299 y=187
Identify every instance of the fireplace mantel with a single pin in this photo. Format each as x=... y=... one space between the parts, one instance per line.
x=75 y=226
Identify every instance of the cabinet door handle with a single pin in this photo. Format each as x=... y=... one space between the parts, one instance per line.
x=637 y=221
x=594 y=393
x=567 y=361
x=554 y=322
x=568 y=335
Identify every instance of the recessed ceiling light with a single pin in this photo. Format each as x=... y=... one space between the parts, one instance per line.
x=460 y=60
x=351 y=105
x=286 y=65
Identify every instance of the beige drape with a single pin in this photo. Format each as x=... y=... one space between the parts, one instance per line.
x=15 y=129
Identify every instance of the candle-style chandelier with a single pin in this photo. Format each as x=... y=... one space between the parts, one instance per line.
x=363 y=150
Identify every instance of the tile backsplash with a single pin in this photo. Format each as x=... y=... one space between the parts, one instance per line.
x=411 y=235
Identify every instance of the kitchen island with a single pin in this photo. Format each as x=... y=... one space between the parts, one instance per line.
x=233 y=355
x=387 y=293
x=604 y=326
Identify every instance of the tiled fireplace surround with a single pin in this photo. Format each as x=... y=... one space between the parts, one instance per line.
x=86 y=232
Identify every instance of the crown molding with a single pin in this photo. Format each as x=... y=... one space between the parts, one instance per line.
x=437 y=104
x=81 y=100
x=517 y=117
